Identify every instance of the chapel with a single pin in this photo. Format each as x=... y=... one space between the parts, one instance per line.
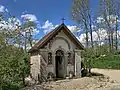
x=58 y=52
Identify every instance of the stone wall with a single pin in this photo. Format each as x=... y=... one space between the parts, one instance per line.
x=38 y=67
x=77 y=63
x=60 y=42
x=35 y=66
x=44 y=53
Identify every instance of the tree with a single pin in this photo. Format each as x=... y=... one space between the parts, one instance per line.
x=81 y=13
x=16 y=32
x=109 y=10
x=14 y=65
x=28 y=27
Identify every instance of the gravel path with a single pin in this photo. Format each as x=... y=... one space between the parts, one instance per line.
x=113 y=74
x=110 y=81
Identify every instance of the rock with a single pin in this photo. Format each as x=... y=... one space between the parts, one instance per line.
x=86 y=83
x=29 y=81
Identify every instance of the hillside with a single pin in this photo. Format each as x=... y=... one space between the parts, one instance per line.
x=106 y=62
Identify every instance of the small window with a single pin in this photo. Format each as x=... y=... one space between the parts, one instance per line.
x=49 y=58
x=69 y=58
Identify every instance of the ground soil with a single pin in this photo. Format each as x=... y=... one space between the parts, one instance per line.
x=109 y=81
x=113 y=74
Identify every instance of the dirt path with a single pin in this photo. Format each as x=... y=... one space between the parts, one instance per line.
x=85 y=83
x=113 y=74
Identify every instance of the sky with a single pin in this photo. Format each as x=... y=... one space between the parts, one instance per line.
x=52 y=10
x=47 y=13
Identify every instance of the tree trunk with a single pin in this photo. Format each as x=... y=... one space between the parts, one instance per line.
x=90 y=25
x=25 y=41
x=86 y=32
x=89 y=67
x=109 y=41
x=112 y=43
x=116 y=39
x=87 y=44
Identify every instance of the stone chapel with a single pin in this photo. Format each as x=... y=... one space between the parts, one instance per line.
x=58 y=52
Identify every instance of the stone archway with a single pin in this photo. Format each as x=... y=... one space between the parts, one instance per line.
x=59 y=58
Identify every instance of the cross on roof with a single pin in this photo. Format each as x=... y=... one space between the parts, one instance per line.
x=63 y=19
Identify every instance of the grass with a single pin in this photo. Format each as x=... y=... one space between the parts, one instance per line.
x=107 y=62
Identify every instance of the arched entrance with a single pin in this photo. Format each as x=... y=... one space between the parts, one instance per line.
x=59 y=58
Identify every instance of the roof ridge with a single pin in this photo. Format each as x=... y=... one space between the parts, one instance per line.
x=51 y=34
x=48 y=34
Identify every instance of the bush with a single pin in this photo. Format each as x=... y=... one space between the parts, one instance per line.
x=84 y=72
x=107 y=62
x=13 y=67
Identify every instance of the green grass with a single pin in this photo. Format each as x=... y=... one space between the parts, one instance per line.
x=107 y=62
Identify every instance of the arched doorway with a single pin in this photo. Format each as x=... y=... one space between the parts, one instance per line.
x=59 y=64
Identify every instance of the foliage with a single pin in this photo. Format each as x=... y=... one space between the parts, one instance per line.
x=16 y=32
x=14 y=60
x=105 y=28
x=107 y=62
x=100 y=57
x=14 y=66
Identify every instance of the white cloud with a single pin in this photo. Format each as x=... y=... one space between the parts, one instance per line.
x=81 y=38
x=33 y=18
x=100 y=19
x=103 y=33
x=2 y=8
x=14 y=21
x=110 y=18
x=30 y=17
x=73 y=28
x=48 y=26
x=35 y=31
x=99 y=35
x=10 y=24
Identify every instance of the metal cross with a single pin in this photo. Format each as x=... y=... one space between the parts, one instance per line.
x=63 y=19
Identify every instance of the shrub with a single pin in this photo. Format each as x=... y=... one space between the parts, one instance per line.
x=107 y=62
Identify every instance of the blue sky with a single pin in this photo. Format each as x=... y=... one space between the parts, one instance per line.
x=47 y=13
x=52 y=10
